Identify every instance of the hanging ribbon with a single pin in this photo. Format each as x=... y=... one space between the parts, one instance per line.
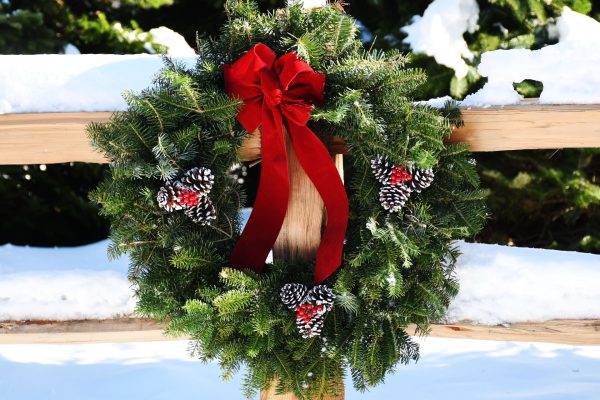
x=277 y=93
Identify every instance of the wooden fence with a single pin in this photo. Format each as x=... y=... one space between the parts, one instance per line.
x=47 y=138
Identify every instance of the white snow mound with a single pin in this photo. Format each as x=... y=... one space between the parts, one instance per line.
x=439 y=32
x=63 y=283
x=500 y=284
x=173 y=42
x=71 y=82
x=311 y=3
x=568 y=69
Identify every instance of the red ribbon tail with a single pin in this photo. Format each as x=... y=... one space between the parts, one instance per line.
x=271 y=202
x=319 y=167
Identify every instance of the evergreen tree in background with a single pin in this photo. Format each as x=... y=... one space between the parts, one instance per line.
x=47 y=26
x=43 y=205
x=537 y=198
x=48 y=205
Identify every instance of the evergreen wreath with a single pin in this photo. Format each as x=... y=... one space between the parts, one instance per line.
x=410 y=196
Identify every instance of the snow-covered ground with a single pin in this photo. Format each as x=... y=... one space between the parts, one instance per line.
x=450 y=369
x=63 y=283
x=499 y=284
x=496 y=282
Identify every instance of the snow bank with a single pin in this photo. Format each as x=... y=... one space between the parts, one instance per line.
x=500 y=284
x=568 y=69
x=450 y=369
x=439 y=32
x=63 y=283
x=61 y=82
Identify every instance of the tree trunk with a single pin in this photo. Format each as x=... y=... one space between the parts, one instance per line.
x=300 y=235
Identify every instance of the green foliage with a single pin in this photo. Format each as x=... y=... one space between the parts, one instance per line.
x=24 y=32
x=92 y=33
x=51 y=206
x=552 y=198
x=397 y=269
x=42 y=204
x=46 y=26
x=503 y=24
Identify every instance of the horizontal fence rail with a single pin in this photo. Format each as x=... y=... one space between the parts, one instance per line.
x=575 y=332
x=530 y=125
x=47 y=138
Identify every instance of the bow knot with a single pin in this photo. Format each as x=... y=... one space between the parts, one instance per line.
x=275 y=96
x=280 y=93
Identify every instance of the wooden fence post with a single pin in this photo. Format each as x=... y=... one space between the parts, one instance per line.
x=300 y=235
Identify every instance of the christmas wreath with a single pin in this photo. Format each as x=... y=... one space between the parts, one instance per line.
x=386 y=257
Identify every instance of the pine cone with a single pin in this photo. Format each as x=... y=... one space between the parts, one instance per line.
x=293 y=294
x=199 y=179
x=317 y=325
x=312 y=328
x=168 y=196
x=321 y=295
x=203 y=213
x=421 y=179
x=393 y=197
x=382 y=169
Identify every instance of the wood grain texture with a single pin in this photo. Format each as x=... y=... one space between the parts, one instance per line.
x=573 y=332
x=300 y=234
x=48 y=138
x=529 y=125
x=566 y=331
x=272 y=395
x=60 y=137
x=117 y=330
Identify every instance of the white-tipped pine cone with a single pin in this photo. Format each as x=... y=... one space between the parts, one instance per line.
x=312 y=328
x=382 y=168
x=203 y=213
x=199 y=179
x=168 y=196
x=321 y=295
x=393 y=197
x=293 y=294
x=421 y=179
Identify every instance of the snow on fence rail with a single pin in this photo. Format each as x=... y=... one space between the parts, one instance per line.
x=73 y=295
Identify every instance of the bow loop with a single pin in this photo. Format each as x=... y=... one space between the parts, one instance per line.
x=272 y=89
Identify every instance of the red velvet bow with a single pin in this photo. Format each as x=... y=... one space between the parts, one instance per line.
x=279 y=93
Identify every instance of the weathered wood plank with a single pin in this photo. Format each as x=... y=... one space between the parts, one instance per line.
x=574 y=332
x=300 y=234
x=530 y=126
x=81 y=331
x=60 y=137
x=47 y=138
